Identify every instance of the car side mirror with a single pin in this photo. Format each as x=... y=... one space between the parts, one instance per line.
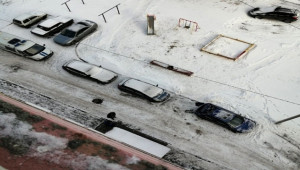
x=44 y=45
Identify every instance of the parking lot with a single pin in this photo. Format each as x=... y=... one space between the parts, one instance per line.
x=262 y=85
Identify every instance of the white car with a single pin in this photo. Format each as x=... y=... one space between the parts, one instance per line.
x=23 y=47
x=29 y=19
x=87 y=70
x=52 y=26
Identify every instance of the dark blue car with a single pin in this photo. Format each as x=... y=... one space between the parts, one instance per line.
x=225 y=118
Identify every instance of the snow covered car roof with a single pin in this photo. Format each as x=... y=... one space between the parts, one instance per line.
x=266 y=9
x=51 y=26
x=143 y=87
x=27 y=15
x=51 y=22
x=95 y=72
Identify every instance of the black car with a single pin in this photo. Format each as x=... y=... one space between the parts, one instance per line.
x=144 y=90
x=91 y=71
x=278 y=13
x=225 y=118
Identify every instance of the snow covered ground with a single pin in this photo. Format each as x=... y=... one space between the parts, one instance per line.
x=264 y=85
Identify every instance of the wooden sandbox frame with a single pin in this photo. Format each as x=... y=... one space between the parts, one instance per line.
x=250 y=47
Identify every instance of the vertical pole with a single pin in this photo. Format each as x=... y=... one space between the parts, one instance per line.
x=104 y=18
x=68 y=7
x=82 y=1
x=118 y=9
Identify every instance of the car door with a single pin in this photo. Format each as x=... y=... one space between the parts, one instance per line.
x=10 y=49
x=33 y=19
x=272 y=15
x=81 y=33
x=56 y=28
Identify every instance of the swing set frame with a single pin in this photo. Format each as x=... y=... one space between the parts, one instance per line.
x=187 y=23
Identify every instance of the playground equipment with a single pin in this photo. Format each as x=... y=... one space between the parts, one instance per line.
x=227 y=47
x=188 y=24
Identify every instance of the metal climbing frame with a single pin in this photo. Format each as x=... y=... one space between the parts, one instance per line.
x=188 y=24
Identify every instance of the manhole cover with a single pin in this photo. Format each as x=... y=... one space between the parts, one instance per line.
x=97 y=101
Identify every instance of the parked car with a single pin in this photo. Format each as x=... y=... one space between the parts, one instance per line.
x=87 y=70
x=52 y=26
x=29 y=19
x=75 y=33
x=23 y=47
x=144 y=90
x=278 y=13
x=225 y=118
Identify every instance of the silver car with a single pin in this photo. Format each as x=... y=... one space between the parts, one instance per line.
x=75 y=33
x=29 y=19
x=144 y=90
x=87 y=70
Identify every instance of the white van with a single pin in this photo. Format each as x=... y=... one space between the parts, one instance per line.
x=23 y=47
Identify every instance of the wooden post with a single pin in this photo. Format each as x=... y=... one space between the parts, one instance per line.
x=150 y=24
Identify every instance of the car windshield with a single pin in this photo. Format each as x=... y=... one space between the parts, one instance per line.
x=46 y=28
x=236 y=121
x=36 y=48
x=68 y=33
x=206 y=108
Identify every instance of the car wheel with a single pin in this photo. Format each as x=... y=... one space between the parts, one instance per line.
x=287 y=21
x=259 y=17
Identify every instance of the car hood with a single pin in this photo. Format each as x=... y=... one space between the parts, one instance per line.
x=63 y=40
x=246 y=126
x=46 y=53
x=39 y=31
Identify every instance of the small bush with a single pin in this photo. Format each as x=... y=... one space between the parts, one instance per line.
x=58 y=127
x=16 y=146
x=20 y=113
x=151 y=166
x=109 y=148
x=74 y=144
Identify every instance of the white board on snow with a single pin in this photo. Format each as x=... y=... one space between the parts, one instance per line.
x=138 y=142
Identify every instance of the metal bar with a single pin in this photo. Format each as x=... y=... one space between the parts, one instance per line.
x=118 y=8
x=104 y=18
x=65 y=2
x=82 y=1
x=67 y=5
x=109 y=9
x=287 y=119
